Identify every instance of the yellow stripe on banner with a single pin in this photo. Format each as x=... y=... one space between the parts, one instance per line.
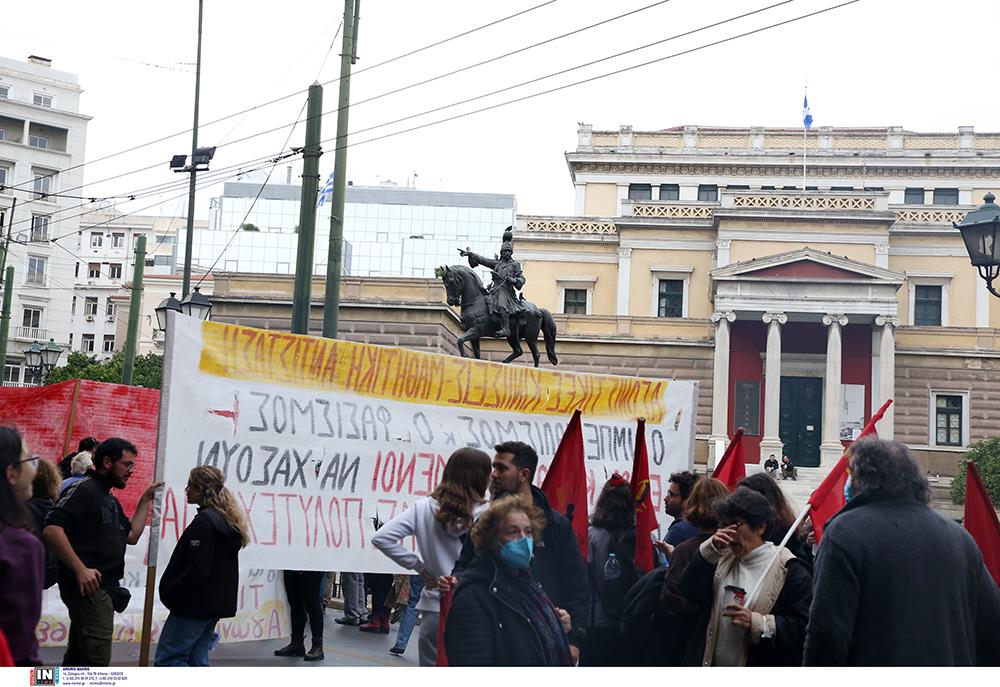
x=308 y=362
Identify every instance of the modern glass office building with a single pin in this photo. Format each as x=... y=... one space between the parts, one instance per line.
x=388 y=231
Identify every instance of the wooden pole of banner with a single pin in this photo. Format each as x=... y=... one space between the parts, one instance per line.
x=154 y=529
x=71 y=425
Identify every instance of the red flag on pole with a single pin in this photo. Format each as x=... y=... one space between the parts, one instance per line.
x=565 y=483
x=829 y=495
x=645 y=518
x=731 y=468
x=981 y=519
x=442 y=655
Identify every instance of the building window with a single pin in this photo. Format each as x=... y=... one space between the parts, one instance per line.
x=927 y=305
x=737 y=187
x=708 y=192
x=640 y=192
x=3 y=134
x=36 y=270
x=946 y=196
x=841 y=188
x=913 y=196
x=72 y=307
x=90 y=305
x=949 y=418
x=96 y=239
x=118 y=240
x=4 y=92
x=3 y=170
x=42 y=183
x=41 y=100
x=38 y=141
x=670 y=298
x=115 y=270
x=874 y=188
x=39 y=228
x=109 y=343
x=575 y=301
x=87 y=343
x=94 y=270
x=11 y=373
x=112 y=309
x=670 y=192
x=32 y=318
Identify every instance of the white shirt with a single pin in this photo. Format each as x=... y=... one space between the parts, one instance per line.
x=437 y=548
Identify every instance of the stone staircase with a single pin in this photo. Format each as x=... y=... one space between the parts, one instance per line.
x=798 y=491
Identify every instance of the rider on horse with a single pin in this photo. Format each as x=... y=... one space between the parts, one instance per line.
x=507 y=279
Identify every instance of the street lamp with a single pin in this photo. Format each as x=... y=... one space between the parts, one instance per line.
x=168 y=303
x=41 y=359
x=981 y=232
x=196 y=305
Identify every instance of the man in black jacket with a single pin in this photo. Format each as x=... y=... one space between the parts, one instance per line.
x=557 y=564
x=895 y=583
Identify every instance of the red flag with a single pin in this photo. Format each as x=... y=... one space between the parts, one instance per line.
x=645 y=518
x=442 y=655
x=981 y=519
x=731 y=469
x=565 y=483
x=829 y=495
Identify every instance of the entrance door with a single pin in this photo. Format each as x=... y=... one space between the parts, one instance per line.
x=801 y=416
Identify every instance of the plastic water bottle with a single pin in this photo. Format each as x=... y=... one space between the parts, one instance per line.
x=612 y=569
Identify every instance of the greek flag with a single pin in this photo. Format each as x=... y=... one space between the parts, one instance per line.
x=807 y=117
x=326 y=192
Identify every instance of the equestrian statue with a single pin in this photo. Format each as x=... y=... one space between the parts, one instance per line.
x=498 y=311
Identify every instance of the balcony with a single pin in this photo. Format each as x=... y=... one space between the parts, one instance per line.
x=19 y=385
x=30 y=334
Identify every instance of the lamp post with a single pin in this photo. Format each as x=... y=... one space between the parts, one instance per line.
x=41 y=359
x=168 y=303
x=196 y=305
x=981 y=232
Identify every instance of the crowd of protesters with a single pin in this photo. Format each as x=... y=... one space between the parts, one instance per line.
x=890 y=583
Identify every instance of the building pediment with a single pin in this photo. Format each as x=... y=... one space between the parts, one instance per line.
x=806 y=264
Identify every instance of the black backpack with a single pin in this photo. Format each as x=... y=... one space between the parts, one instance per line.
x=612 y=593
x=641 y=621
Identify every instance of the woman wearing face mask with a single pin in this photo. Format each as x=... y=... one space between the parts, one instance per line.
x=22 y=567
x=500 y=616
x=732 y=629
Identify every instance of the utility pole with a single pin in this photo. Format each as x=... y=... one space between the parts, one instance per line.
x=331 y=304
x=8 y=291
x=135 y=305
x=194 y=172
x=8 y=284
x=301 y=299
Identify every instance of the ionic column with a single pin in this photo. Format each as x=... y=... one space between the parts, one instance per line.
x=771 y=443
x=624 y=279
x=886 y=373
x=720 y=387
x=830 y=450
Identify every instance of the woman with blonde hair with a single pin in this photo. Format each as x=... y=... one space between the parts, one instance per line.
x=438 y=522
x=201 y=582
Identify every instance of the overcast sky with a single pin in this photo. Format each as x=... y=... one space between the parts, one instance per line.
x=927 y=66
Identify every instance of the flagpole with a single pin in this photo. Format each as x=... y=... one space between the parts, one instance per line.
x=804 y=131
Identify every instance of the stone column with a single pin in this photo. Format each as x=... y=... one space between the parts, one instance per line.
x=886 y=373
x=771 y=443
x=830 y=450
x=624 y=279
x=720 y=388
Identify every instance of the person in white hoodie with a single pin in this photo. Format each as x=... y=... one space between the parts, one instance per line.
x=438 y=523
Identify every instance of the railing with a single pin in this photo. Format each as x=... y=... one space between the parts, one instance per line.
x=809 y=202
x=675 y=210
x=570 y=226
x=35 y=278
x=19 y=385
x=31 y=334
x=930 y=216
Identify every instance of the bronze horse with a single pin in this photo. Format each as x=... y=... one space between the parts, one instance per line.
x=465 y=289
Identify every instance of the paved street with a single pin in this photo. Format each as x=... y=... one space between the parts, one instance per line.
x=344 y=646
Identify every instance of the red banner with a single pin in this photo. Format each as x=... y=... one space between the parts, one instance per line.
x=53 y=419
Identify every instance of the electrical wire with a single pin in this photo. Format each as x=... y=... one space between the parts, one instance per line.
x=300 y=92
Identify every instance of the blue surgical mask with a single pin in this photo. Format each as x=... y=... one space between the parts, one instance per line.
x=848 y=493
x=517 y=553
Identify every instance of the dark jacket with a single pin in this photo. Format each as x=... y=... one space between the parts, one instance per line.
x=96 y=527
x=557 y=565
x=21 y=570
x=486 y=626
x=202 y=577
x=676 y=617
x=897 y=584
x=790 y=611
x=39 y=507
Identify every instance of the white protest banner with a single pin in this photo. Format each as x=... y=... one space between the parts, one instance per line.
x=320 y=438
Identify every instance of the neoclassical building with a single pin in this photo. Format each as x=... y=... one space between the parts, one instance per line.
x=799 y=302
